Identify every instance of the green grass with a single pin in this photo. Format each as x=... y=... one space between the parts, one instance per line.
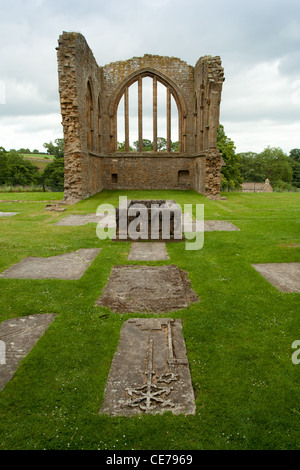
x=37 y=196
x=238 y=336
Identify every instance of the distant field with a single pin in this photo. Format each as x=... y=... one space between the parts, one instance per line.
x=40 y=160
x=37 y=156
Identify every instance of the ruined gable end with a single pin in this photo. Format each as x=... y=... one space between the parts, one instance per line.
x=90 y=98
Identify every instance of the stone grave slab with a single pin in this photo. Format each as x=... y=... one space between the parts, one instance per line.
x=148 y=251
x=79 y=219
x=147 y=289
x=219 y=225
x=284 y=276
x=190 y=224
x=17 y=338
x=69 y=266
x=150 y=371
x=8 y=214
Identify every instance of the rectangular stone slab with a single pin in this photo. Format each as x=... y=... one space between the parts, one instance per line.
x=8 y=214
x=17 y=338
x=79 y=219
x=190 y=225
x=150 y=371
x=284 y=276
x=147 y=289
x=219 y=226
x=69 y=266
x=148 y=251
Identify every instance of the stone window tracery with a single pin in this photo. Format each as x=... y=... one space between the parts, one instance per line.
x=148 y=117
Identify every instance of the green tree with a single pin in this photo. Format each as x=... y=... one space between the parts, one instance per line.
x=276 y=165
x=56 y=148
x=53 y=175
x=15 y=170
x=295 y=163
x=271 y=163
x=4 y=170
x=231 y=171
x=161 y=144
x=147 y=145
x=121 y=147
x=174 y=146
x=24 y=151
x=251 y=169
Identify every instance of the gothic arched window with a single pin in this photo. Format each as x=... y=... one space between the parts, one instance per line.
x=148 y=118
x=89 y=117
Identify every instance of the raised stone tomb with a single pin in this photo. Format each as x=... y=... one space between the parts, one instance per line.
x=189 y=223
x=148 y=219
x=150 y=371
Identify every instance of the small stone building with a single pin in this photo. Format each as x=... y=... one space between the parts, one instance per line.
x=253 y=187
x=91 y=97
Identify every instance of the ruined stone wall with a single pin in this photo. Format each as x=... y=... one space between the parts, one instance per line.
x=209 y=77
x=91 y=160
x=150 y=172
x=77 y=66
x=177 y=73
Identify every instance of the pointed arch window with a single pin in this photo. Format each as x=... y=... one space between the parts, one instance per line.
x=148 y=117
x=89 y=117
x=99 y=140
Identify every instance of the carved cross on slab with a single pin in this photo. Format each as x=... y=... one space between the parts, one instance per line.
x=150 y=371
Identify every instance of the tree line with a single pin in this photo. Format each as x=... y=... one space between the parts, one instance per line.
x=15 y=170
x=273 y=163
x=281 y=169
x=148 y=145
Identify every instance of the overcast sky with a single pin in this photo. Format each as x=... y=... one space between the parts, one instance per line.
x=258 y=41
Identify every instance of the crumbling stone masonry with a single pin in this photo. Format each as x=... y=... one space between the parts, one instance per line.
x=89 y=97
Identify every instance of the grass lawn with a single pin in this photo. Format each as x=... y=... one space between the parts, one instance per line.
x=238 y=336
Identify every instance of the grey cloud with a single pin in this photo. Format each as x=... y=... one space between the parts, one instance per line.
x=244 y=34
x=290 y=64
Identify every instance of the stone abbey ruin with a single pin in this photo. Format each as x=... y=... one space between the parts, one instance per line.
x=92 y=95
